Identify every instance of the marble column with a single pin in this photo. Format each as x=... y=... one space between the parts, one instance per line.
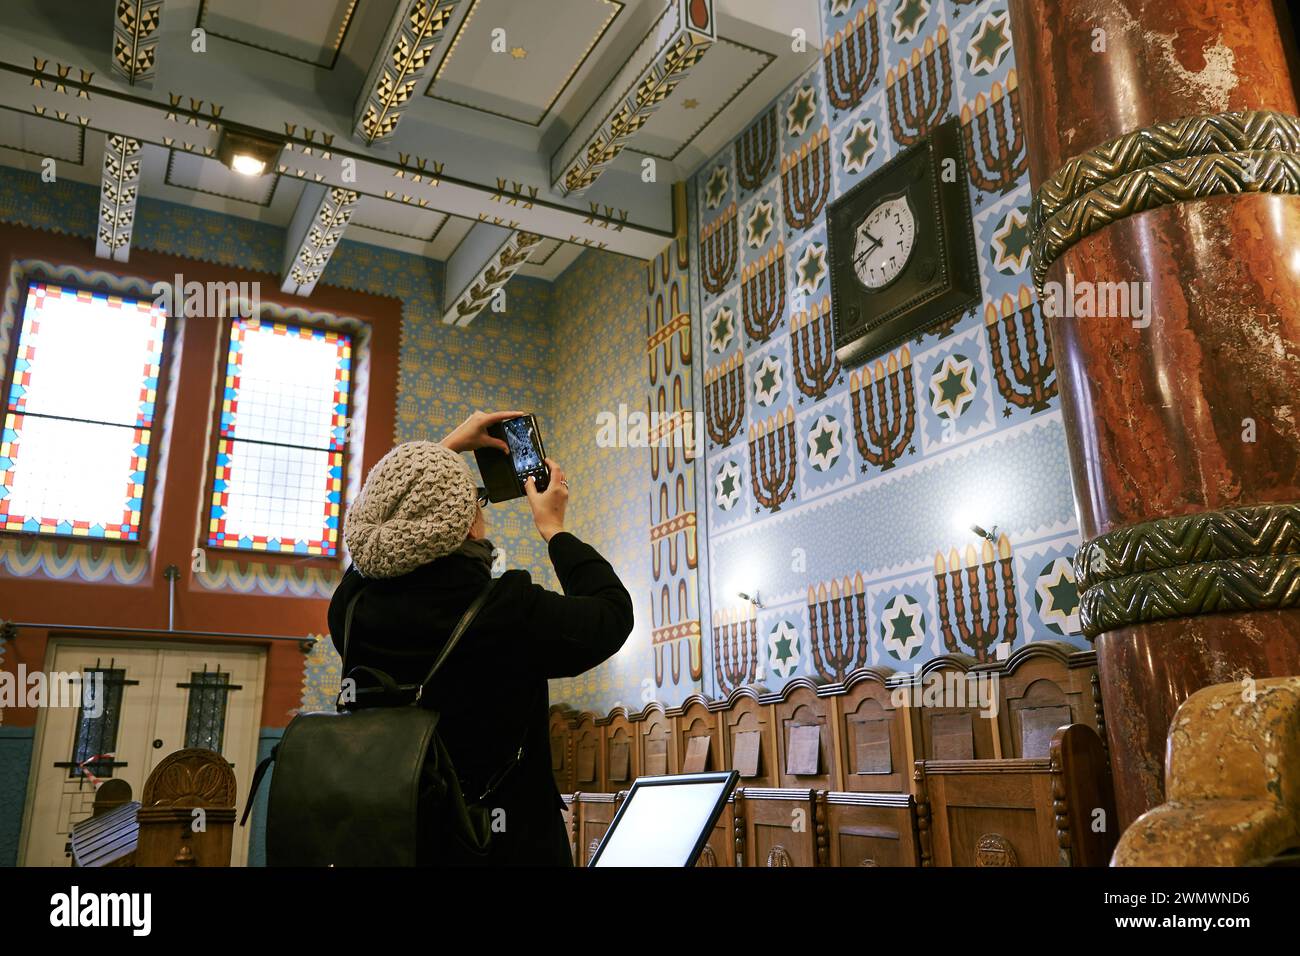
x=1183 y=425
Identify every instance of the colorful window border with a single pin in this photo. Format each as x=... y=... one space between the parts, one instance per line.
x=28 y=324
x=326 y=545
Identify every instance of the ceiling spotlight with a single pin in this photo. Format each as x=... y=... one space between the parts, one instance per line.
x=246 y=152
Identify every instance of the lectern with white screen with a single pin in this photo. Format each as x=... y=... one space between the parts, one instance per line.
x=665 y=821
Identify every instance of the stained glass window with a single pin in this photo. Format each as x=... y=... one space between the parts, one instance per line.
x=278 y=482
x=79 y=415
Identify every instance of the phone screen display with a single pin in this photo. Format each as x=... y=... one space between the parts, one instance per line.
x=522 y=439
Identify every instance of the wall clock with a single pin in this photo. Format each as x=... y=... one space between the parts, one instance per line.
x=902 y=249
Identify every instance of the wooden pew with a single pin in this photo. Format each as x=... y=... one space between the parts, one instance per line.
x=1018 y=812
x=778 y=827
x=873 y=734
x=619 y=752
x=749 y=738
x=870 y=829
x=1042 y=686
x=160 y=829
x=595 y=812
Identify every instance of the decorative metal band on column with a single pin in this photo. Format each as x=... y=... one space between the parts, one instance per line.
x=1175 y=161
x=1238 y=559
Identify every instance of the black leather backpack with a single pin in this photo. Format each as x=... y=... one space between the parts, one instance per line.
x=373 y=784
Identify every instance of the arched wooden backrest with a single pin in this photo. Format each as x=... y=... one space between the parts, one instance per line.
x=560 y=730
x=806 y=737
x=1039 y=691
x=699 y=741
x=748 y=741
x=618 y=740
x=587 y=755
x=954 y=723
x=656 y=746
x=873 y=738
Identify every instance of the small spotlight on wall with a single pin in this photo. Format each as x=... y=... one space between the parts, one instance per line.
x=752 y=600
x=247 y=152
x=986 y=535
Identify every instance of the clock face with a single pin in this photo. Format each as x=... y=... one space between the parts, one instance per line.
x=883 y=243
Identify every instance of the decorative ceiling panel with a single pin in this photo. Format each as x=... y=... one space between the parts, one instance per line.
x=40 y=136
x=543 y=47
x=397 y=219
x=310 y=32
x=190 y=171
x=701 y=95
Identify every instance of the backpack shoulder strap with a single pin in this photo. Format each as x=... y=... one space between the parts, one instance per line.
x=462 y=626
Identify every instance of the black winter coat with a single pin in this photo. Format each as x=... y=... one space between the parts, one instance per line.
x=492 y=689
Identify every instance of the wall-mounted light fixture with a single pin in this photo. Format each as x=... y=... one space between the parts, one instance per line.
x=247 y=152
x=752 y=600
x=986 y=535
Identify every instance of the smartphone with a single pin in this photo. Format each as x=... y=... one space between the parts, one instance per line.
x=504 y=474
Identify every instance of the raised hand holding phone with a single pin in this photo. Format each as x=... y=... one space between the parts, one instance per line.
x=472 y=433
x=548 y=506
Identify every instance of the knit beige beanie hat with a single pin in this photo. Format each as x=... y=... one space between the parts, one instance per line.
x=417 y=505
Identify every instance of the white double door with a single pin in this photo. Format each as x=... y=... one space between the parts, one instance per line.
x=158 y=698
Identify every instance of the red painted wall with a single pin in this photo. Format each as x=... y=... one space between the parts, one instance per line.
x=182 y=496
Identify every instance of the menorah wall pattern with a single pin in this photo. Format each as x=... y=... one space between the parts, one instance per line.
x=884 y=409
x=724 y=400
x=718 y=249
x=756 y=151
x=1034 y=374
x=735 y=648
x=979 y=632
x=919 y=91
x=773 y=459
x=838 y=633
x=812 y=351
x=762 y=294
x=806 y=180
x=851 y=58
x=996 y=157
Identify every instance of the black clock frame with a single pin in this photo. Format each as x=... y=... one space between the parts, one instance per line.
x=941 y=276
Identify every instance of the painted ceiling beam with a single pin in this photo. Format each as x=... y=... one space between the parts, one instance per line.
x=481 y=265
x=135 y=40
x=119 y=191
x=323 y=213
x=400 y=67
x=678 y=41
x=68 y=94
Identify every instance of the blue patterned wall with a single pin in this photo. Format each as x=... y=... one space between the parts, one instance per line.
x=833 y=526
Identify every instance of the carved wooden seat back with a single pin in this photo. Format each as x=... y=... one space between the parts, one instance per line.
x=748 y=739
x=185 y=817
x=872 y=735
x=806 y=741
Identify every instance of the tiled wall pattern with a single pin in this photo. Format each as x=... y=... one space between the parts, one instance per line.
x=856 y=549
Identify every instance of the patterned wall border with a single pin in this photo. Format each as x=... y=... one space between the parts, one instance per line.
x=1162 y=164
x=1238 y=559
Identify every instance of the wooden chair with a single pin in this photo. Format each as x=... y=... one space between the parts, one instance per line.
x=697 y=733
x=561 y=733
x=656 y=744
x=1042 y=687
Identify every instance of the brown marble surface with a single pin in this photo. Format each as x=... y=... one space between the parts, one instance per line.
x=1158 y=418
x=1162 y=59
x=1148 y=670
